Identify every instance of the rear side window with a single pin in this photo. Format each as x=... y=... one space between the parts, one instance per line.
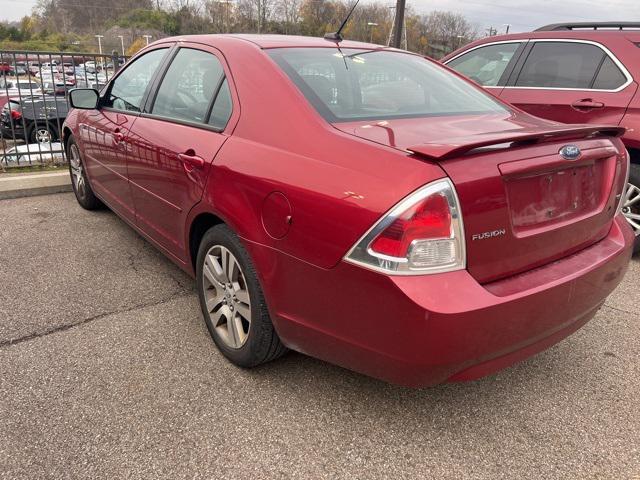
x=609 y=77
x=485 y=65
x=189 y=86
x=561 y=65
x=221 y=111
x=128 y=89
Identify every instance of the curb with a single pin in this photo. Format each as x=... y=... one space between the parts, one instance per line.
x=31 y=184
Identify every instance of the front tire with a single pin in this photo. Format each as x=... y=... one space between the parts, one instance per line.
x=79 y=181
x=232 y=300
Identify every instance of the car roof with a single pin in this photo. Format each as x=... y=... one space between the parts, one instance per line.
x=593 y=35
x=274 y=41
x=596 y=35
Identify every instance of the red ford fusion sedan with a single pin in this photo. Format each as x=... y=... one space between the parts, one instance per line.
x=356 y=203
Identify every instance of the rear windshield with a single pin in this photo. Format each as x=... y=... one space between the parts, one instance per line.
x=350 y=85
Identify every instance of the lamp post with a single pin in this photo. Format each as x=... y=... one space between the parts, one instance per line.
x=99 y=37
x=459 y=37
x=398 y=24
x=507 y=29
x=121 y=37
x=372 y=25
x=147 y=37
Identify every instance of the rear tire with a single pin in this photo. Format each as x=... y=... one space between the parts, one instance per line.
x=232 y=300
x=631 y=205
x=79 y=181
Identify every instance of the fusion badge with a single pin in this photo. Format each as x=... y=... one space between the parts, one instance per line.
x=486 y=235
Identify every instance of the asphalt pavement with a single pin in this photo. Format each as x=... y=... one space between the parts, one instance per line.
x=107 y=371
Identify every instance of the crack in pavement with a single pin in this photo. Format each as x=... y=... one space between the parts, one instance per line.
x=619 y=309
x=69 y=326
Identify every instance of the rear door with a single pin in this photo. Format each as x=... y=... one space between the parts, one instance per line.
x=173 y=143
x=570 y=81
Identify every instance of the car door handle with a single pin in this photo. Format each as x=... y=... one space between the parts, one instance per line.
x=191 y=160
x=118 y=137
x=586 y=104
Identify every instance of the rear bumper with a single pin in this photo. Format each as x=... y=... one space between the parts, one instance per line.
x=424 y=330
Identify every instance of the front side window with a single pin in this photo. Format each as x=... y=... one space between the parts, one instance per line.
x=128 y=89
x=350 y=84
x=561 y=65
x=189 y=86
x=485 y=65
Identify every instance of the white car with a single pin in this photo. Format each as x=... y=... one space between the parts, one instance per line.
x=34 y=153
x=20 y=88
x=49 y=67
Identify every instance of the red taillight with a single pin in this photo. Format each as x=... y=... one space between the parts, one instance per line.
x=422 y=234
x=16 y=115
x=429 y=219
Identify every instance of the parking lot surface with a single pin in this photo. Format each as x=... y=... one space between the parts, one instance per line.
x=107 y=371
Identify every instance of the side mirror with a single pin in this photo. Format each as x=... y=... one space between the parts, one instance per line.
x=84 y=98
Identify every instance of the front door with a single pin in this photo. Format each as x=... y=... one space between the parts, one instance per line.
x=174 y=143
x=104 y=132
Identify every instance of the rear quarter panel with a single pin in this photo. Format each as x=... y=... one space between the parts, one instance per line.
x=337 y=186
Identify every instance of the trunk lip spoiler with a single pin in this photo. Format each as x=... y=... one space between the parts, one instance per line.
x=458 y=146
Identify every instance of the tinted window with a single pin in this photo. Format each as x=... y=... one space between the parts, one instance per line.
x=222 y=107
x=351 y=84
x=560 y=65
x=128 y=89
x=609 y=77
x=188 y=86
x=485 y=65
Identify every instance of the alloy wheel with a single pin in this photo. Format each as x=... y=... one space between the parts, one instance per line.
x=43 y=135
x=631 y=207
x=77 y=174
x=227 y=296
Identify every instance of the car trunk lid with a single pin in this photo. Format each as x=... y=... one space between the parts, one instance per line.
x=523 y=204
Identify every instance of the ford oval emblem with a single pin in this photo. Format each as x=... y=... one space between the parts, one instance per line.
x=570 y=152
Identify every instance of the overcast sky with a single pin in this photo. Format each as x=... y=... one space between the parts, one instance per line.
x=523 y=15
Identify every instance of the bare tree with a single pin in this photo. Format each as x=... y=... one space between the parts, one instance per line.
x=435 y=34
x=288 y=11
x=446 y=31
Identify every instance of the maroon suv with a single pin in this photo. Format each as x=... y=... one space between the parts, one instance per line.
x=570 y=73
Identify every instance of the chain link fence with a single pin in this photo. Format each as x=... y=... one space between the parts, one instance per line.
x=34 y=101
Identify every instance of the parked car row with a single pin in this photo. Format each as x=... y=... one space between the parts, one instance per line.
x=34 y=112
x=360 y=204
x=569 y=73
x=18 y=87
x=10 y=69
x=35 y=120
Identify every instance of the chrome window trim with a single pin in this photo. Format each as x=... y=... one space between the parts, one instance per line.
x=606 y=51
x=524 y=40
